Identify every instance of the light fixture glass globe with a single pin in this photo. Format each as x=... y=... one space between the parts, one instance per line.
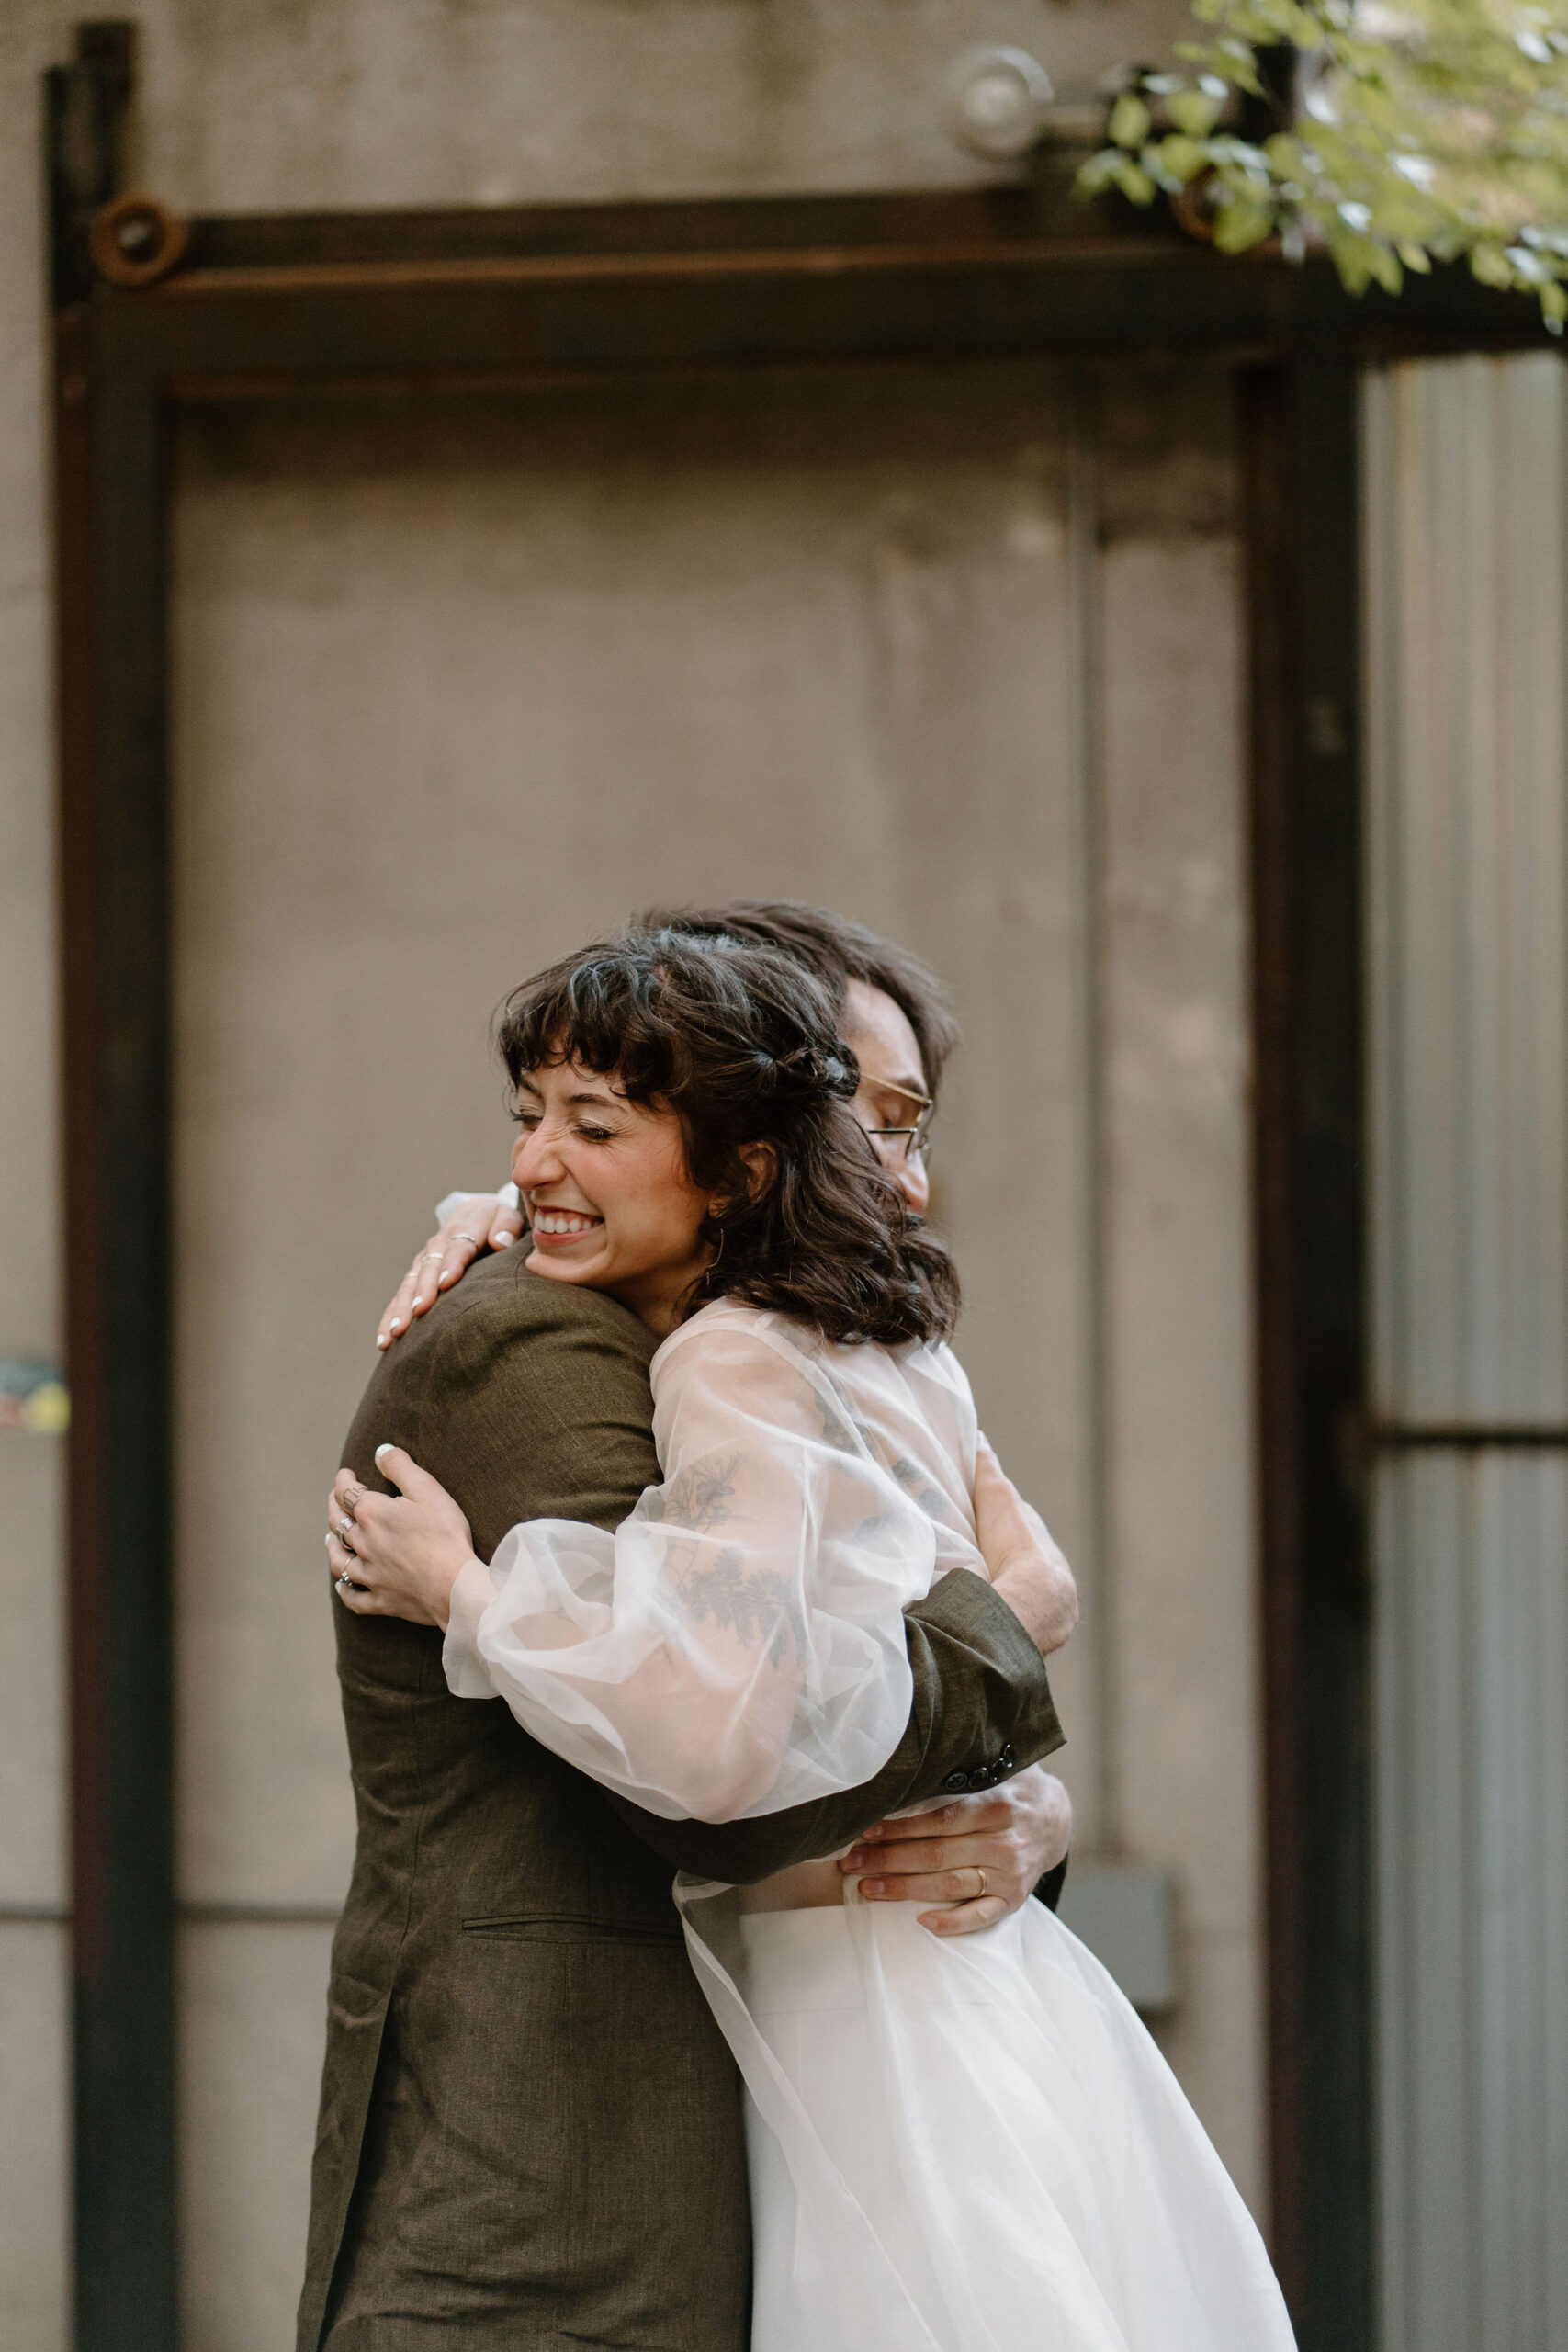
x=995 y=101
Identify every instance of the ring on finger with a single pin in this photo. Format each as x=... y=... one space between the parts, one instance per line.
x=472 y=1239
x=352 y=1499
x=344 y=1530
x=981 y=1890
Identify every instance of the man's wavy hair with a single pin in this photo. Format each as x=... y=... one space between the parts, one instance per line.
x=741 y=1043
x=838 y=951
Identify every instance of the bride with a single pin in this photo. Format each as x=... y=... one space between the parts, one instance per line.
x=954 y=2146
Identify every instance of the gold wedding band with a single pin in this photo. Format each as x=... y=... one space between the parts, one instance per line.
x=982 y=1885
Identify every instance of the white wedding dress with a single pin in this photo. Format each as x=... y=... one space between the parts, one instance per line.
x=956 y=2145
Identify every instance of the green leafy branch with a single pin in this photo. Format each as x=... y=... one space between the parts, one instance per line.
x=1429 y=131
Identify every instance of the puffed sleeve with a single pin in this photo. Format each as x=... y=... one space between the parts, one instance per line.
x=738 y=1645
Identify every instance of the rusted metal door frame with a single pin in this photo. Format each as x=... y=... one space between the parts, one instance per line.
x=307 y=306
x=1310 y=1178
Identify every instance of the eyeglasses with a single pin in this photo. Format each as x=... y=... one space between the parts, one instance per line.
x=907 y=1143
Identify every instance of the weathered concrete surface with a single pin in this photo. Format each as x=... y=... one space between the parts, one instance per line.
x=34 y=2023
x=1178 y=1346
x=245 y=2191
x=252 y=104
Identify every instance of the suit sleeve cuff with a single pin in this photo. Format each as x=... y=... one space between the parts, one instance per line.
x=472 y=1592
x=1009 y=1691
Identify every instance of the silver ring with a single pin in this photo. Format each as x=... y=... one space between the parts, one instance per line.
x=344 y=1584
x=428 y=1253
x=472 y=1238
x=344 y=1530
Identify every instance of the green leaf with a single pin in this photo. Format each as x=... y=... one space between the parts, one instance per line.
x=1182 y=159
x=1112 y=167
x=1194 y=111
x=1446 y=138
x=1386 y=270
x=1098 y=173
x=1491 y=266
x=1240 y=224
x=1353 y=257
x=1130 y=124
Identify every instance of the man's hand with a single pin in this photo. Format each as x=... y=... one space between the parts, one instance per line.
x=480 y=1221
x=1012 y=1834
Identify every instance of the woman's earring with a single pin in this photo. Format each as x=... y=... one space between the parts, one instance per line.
x=718 y=1253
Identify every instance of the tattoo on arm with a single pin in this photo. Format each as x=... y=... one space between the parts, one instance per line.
x=698 y=1497
x=754 y=1604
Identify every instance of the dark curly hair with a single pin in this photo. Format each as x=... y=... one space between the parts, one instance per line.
x=741 y=1043
x=838 y=951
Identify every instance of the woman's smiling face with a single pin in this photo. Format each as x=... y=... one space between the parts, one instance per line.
x=607 y=1192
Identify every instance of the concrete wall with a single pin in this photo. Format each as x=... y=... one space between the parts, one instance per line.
x=946 y=772
x=1183 y=1783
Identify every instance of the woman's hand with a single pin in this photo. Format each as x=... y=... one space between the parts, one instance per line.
x=1025 y=1565
x=480 y=1221
x=397 y=1556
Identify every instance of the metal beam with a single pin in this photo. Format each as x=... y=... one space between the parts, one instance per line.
x=1304 y=600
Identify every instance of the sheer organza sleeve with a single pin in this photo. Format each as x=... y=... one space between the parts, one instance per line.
x=738 y=1645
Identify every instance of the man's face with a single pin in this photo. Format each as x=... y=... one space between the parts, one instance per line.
x=892 y=1084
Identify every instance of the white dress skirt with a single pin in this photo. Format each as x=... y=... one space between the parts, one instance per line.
x=968 y=2144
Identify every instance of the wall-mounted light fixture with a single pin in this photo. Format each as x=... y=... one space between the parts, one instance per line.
x=995 y=101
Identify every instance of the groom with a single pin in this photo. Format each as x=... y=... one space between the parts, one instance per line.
x=530 y=2126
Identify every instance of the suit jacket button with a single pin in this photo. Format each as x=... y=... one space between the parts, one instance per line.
x=956 y=1781
x=980 y=1777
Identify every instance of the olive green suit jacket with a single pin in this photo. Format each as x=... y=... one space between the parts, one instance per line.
x=530 y=2128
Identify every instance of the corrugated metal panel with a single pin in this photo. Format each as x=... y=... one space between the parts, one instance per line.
x=1473 y=1667
x=1466 y=473
x=1467 y=514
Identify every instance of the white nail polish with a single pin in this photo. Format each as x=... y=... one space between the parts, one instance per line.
x=380 y=1450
